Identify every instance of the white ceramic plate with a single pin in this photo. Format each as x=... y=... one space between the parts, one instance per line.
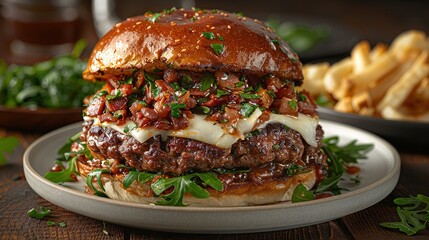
x=379 y=176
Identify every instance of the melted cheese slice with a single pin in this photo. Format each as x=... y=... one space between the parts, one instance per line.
x=214 y=133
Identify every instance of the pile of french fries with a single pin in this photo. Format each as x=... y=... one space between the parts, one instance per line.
x=386 y=81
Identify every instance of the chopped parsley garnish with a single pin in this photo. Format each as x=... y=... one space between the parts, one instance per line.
x=292 y=104
x=249 y=96
x=202 y=109
x=220 y=38
x=154 y=89
x=60 y=224
x=154 y=17
x=221 y=93
x=118 y=94
x=247 y=109
x=217 y=48
x=130 y=126
x=186 y=82
x=275 y=41
x=209 y=35
x=295 y=169
x=240 y=84
x=206 y=81
x=271 y=93
x=175 y=109
x=276 y=146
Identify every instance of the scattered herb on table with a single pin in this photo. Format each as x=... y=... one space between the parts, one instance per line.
x=339 y=158
x=413 y=213
x=7 y=145
x=39 y=213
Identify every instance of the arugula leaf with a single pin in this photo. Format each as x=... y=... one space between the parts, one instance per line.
x=295 y=169
x=39 y=213
x=65 y=174
x=301 y=194
x=65 y=148
x=206 y=82
x=413 y=213
x=97 y=174
x=60 y=224
x=184 y=184
x=142 y=177
x=7 y=145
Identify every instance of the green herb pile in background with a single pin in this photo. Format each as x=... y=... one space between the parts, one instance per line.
x=56 y=83
x=301 y=38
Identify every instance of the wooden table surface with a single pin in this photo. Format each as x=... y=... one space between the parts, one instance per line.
x=374 y=20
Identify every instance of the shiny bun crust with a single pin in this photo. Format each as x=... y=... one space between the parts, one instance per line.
x=279 y=190
x=192 y=40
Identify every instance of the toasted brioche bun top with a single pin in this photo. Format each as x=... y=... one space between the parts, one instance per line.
x=181 y=39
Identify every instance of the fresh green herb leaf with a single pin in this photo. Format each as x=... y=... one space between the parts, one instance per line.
x=130 y=126
x=413 y=213
x=186 y=82
x=7 y=145
x=206 y=81
x=240 y=84
x=209 y=35
x=272 y=94
x=302 y=194
x=118 y=94
x=302 y=97
x=356 y=179
x=202 y=109
x=276 y=146
x=39 y=213
x=60 y=224
x=338 y=157
x=66 y=174
x=151 y=77
x=142 y=177
x=154 y=17
x=293 y=104
x=249 y=96
x=295 y=169
x=154 y=89
x=102 y=93
x=240 y=14
x=217 y=48
x=184 y=184
x=96 y=174
x=247 y=109
x=220 y=38
x=275 y=41
x=175 y=109
x=221 y=93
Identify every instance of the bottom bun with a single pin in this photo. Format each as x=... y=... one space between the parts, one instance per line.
x=243 y=195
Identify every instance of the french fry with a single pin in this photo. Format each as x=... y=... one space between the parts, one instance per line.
x=378 y=50
x=392 y=82
x=398 y=93
x=344 y=105
x=334 y=77
x=360 y=56
x=377 y=69
x=314 y=74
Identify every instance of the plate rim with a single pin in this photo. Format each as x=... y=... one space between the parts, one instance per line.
x=391 y=176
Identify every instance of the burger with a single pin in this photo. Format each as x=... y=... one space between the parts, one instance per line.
x=200 y=108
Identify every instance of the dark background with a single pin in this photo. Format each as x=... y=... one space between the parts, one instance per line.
x=351 y=20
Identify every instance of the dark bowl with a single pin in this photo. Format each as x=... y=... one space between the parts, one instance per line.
x=39 y=120
x=400 y=133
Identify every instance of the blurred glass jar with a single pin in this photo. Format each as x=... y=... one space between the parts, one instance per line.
x=37 y=30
